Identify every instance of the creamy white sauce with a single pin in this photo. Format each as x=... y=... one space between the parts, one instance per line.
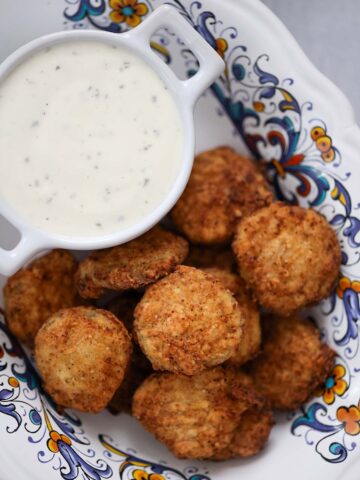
x=90 y=139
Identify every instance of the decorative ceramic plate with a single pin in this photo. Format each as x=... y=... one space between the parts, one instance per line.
x=272 y=102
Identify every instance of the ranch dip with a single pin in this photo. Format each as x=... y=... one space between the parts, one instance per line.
x=91 y=140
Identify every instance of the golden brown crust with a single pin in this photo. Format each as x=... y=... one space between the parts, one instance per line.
x=82 y=354
x=187 y=322
x=242 y=389
x=132 y=265
x=193 y=416
x=289 y=256
x=204 y=416
x=293 y=362
x=250 y=436
x=253 y=432
x=34 y=293
x=256 y=421
x=224 y=187
x=251 y=338
x=208 y=257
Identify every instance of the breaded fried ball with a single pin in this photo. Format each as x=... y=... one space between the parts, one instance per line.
x=82 y=354
x=289 y=256
x=188 y=322
x=193 y=416
x=34 y=293
x=224 y=187
x=293 y=362
x=255 y=423
x=132 y=265
x=251 y=338
x=208 y=257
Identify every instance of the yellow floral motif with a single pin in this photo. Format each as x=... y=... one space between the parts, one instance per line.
x=350 y=417
x=54 y=439
x=334 y=385
x=128 y=11
x=336 y=195
x=346 y=284
x=323 y=143
x=278 y=166
x=142 y=475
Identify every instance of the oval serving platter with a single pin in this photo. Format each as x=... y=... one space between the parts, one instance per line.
x=270 y=102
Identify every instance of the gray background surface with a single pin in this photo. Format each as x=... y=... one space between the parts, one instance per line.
x=329 y=33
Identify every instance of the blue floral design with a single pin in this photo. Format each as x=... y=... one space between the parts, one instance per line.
x=38 y=415
x=92 y=11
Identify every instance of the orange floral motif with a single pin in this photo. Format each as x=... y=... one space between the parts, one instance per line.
x=142 y=475
x=13 y=382
x=128 y=11
x=345 y=284
x=54 y=439
x=350 y=417
x=259 y=106
x=334 y=385
x=221 y=46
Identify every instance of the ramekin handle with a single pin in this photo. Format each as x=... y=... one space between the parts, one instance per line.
x=12 y=260
x=211 y=64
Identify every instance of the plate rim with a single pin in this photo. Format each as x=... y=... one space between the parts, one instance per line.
x=310 y=75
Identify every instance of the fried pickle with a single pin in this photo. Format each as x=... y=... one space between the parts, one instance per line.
x=34 y=293
x=250 y=436
x=293 y=361
x=82 y=354
x=188 y=322
x=255 y=423
x=223 y=188
x=193 y=416
x=132 y=265
x=289 y=257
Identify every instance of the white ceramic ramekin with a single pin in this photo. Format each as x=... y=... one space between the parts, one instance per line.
x=185 y=94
